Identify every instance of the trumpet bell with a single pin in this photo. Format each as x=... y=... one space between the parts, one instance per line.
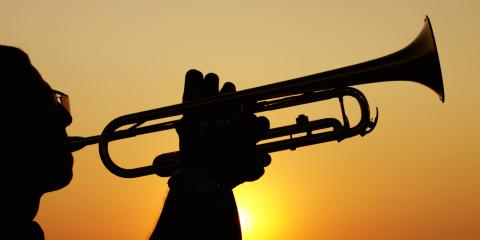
x=433 y=80
x=419 y=55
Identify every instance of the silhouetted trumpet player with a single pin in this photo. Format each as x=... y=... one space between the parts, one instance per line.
x=418 y=62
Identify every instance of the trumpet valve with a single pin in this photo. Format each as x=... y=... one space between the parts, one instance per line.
x=302 y=119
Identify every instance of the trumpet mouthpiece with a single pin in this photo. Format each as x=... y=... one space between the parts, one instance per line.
x=75 y=143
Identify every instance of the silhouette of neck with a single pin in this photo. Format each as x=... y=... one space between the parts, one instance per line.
x=21 y=209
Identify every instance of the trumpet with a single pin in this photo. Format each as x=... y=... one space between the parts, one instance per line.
x=417 y=62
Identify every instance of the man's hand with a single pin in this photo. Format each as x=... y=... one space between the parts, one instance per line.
x=218 y=144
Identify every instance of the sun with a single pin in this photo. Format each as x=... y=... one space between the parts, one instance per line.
x=245 y=220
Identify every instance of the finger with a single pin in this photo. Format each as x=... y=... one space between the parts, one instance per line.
x=257 y=170
x=255 y=127
x=210 y=83
x=229 y=109
x=228 y=87
x=191 y=88
x=254 y=174
x=263 y=125
x=265 y=159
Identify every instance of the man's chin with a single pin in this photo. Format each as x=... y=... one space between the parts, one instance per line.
x=61 y=176
x=59 y=183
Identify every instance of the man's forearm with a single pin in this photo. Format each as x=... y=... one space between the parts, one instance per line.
x=201 y=215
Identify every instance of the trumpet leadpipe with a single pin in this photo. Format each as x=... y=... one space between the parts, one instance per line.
x=76 y=143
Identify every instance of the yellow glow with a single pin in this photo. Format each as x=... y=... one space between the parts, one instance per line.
x=246 y=220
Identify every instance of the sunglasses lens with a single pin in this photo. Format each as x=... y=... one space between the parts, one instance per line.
x=65 y=101
x=62 y=99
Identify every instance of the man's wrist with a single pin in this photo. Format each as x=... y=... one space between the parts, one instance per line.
x=196 y=180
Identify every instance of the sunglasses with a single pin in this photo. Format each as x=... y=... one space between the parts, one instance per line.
x=62 y=99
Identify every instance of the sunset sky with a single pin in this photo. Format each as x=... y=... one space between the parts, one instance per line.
x=416 y=176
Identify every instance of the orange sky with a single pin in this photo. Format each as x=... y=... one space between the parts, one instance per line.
x=416 y=176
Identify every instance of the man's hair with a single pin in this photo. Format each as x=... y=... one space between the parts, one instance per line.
x=21 y=84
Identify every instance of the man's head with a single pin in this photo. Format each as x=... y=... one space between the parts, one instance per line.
x=35 y=157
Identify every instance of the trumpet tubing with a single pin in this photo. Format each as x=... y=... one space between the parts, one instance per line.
x=417 y=62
